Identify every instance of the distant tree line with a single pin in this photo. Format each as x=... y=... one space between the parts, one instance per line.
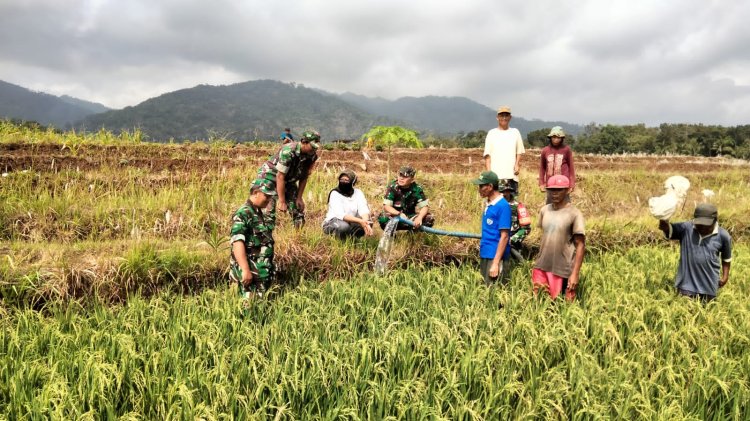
x=682 y=139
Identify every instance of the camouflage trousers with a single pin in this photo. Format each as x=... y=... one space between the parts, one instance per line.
x=298 y=215
x=262 y=268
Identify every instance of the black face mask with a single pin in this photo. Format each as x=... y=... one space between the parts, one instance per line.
x=346 y=189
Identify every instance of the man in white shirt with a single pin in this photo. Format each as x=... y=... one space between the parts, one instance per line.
x=348 y=213
x=503 y=148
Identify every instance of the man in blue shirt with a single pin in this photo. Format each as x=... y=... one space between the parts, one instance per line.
x=286 y=136
x=494 y=247
x=702 y=244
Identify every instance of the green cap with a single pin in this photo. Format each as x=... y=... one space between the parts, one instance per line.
x=487 y=177
x=407 y=171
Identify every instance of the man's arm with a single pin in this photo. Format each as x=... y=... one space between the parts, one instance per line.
x=517 y=167
x=724 y=273
x=238 y=250
x=496 y=261
x=390 y=210
x=580 y=242
x=300 y=192
x=572 y=169
x=281 y=191
x=543 y=170
x=420 y=216
x=664 y=226
x=487 y=163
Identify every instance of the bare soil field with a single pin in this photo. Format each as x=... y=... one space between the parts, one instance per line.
x=200 y=158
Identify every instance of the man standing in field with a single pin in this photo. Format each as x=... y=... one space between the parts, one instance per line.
x=251 y=262
x=287 y=172
x=563 y=243
x=702 y=245
x=494 y=247
x=556 y=158
x=405 y=197
x=503 y=148
x=286 y=136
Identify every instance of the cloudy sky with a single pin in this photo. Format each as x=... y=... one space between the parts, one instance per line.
x=579 y=61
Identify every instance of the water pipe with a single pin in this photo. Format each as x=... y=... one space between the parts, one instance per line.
x=437 y=231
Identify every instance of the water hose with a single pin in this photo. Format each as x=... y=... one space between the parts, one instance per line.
x=437 y=231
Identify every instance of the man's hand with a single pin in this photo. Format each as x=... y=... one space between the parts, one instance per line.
x=282 y=206
x=300 y=203
x=516 y=169
x=495 y=270
x=542 y=189
x=247 y=278
x=573 y=282
x=417 y=221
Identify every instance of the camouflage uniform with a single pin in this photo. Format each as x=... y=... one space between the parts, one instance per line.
x=250 y=227
x=520 y=223
x=409 y=201
x=295 y=166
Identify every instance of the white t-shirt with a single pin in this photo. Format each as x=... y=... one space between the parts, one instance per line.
x=339 y=205
x=502 y=146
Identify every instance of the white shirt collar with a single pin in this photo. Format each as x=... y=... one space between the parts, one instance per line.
x=494 y=202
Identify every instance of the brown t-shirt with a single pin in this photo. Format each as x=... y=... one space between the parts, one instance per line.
x=557 y=249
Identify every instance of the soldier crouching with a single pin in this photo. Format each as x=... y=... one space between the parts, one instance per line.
x=251 y=263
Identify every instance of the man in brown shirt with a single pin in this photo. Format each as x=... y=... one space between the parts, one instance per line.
x=563 y=243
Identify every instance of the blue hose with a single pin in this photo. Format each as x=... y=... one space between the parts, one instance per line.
x=439 y=232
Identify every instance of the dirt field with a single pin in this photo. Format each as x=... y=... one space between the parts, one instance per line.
x=197 y=158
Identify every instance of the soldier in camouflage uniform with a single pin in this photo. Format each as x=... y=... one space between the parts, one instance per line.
x=406 y=198
x=519 y=215
x=287 y=173
x=251 y=261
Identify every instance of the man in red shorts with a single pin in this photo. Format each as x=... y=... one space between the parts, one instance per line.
x=563 y=243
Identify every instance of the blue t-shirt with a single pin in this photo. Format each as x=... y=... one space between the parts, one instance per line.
x=496 y=217
x=699 y=269
x=285 y=135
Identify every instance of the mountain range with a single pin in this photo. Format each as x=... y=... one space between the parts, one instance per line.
x=259 y=110
x=60 y=111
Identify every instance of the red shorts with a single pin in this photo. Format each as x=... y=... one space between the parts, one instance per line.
x=552 y=283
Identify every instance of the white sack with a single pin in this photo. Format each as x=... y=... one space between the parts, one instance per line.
x=663 y=207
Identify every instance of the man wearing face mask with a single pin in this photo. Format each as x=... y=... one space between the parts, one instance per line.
x=348 y=214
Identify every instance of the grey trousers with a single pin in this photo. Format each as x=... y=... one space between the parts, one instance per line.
x=342 y=229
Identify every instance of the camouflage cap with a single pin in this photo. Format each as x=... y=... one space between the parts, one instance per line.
x=407 y=171
x=505 y=184
x=556 y=131
x=310 y=136
x=263 y=186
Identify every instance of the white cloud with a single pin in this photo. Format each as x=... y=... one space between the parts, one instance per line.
x=579 y=61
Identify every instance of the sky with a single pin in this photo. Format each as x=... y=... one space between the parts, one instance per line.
x=620 y=62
